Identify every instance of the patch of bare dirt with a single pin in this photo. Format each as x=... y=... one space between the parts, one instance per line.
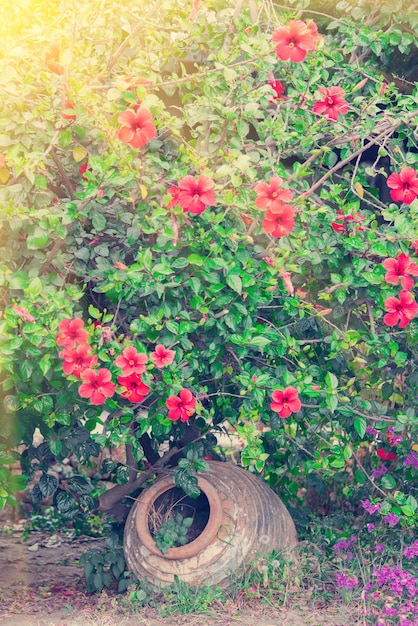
x=42 y=584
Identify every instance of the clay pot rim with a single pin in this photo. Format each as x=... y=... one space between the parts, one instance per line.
x=208 y=534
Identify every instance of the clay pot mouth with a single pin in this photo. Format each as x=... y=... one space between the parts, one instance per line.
x=189 y=550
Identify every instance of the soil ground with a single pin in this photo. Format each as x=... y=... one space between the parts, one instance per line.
x=42 y=584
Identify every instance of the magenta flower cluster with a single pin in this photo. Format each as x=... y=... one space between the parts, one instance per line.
x=369 y=507
x=346 y=582
x=397 y=579
x=411 y=551
x=411 y=459
x=379 y=472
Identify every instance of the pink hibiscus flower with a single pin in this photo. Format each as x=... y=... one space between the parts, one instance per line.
x=72 y=332
x=400 y=310
x=403 y=186
x=271 y=194
x=137 y=127
x=294 y=41
x=400 y=269
x=96 y=385
x=196 y=195
x=333 y=103
x=181 y=407
x=162 y=356
x=134 y=389
x=131 y=361
x=286 y=402
x=279 y=221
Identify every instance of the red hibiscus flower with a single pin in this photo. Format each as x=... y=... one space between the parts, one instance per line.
x=83 y=169
x=174 y=192
x=196 y=195
x=78 y=359
x=134 y=389
x=278 y=89
x=385 y=456
x=279 y=221
x=294 y=41
x=400 y=269
x=52 y=57
x=403 y=186
x=285 y=402
x=96 y=385
x=287 y=279
x=131 y=361
x=120 y=266
x=137 y=127
x=271 y=195
x=181 y=407
x=400 y=310
x=23 y=313
x=333 y=103
x=68 y=116
x=162 y=356
x=340 y=225
x=72 y=332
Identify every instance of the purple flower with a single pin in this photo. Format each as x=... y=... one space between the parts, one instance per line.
x=391 y=519
x=411 y=551
x=369 y=507
x=379 y=547
x=371 y=431
x=389 y=610
x=344 y=544
x=370 y=527
x=391 y=438
x=398 y=580
x=348 y=582
x=379 y=472
x=411 y=459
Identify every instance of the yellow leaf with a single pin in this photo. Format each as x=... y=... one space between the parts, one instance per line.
x=144 y=191
x=79 y=154
x=113 y=94
x=415 y=447
x=359 y=189
x=65 y=57
x=4 y=175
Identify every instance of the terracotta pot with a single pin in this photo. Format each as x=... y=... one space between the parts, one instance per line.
x=244 y=517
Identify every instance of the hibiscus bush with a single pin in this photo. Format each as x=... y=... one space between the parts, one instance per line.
x=209 y=225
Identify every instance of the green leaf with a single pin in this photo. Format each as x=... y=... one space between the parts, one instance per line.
x=18 y=280
x=66 y=504
x=388 y=482
x=234 y=281
x=331 y=380
x=94 y=313
x=332 y=402
x=79 y=485
x=195 y=259
x=55 y=445
x=99 y=221
x=411 y=501
x=41 y=182
x=38 y=239
x=360 y=425
x=408 y=510
x=258 y=342
x=34 y=288
x=48 y=485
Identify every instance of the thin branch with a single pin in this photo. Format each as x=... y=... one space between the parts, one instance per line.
x=63 y=174
x=369 y=144
x=113 y=59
